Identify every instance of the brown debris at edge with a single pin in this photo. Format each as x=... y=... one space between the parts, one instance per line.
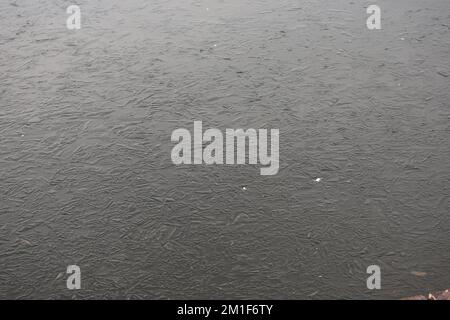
x=443 y=295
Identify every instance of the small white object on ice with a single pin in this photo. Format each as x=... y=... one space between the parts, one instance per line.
x=318 y=180
x=244 y=188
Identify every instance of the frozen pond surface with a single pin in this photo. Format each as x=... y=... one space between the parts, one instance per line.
x=86 y=176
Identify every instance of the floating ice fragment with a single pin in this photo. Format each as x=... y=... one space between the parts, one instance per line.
x=23 y=241
x=318 y=180
x=314 y=293
x=418 y=273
